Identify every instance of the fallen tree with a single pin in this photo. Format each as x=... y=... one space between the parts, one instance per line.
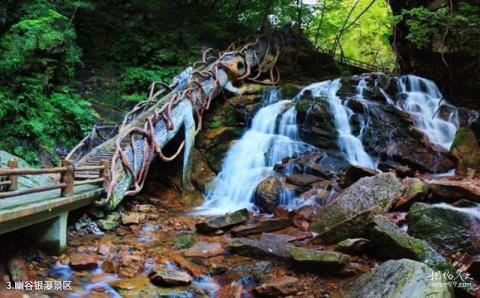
x=153 y=123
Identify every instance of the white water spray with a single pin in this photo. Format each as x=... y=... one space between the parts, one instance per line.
x=272 y=137
x=349 y=144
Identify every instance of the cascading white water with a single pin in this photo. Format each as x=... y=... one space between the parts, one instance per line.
x=273 y=136
x=423 y=101
x=349 y=144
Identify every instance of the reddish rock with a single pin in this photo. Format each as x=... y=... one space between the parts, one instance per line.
x=169 y=277
x=130 y=266
x=281 y=287
x=415 y=190
x=224 y=222
x=104 y=249
x=83 y=261
x=194 y=269
x=205 y=250
x=450 y=190
x=280 y=212
x=133 y=218
x=232 y=291
x=108 y=266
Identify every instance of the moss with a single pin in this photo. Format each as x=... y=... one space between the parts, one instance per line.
x=230 y=117
x=185 y=241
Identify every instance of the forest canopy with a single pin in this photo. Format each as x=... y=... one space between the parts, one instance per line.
x=65 y=65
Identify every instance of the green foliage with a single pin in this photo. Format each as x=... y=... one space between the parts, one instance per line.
x=457 y=30
x=215 y=124
x=38 y=109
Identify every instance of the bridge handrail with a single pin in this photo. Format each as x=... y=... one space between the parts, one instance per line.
x=67 y=178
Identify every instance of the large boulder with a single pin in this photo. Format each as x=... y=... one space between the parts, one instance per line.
x=357 y=204
x=400 y=279
x=466 y=149
x=268 y=193
x=449 y=229
x=451 y=190
x=390 y=242
x=320 y=259
x=316 y=124
x=224 y=222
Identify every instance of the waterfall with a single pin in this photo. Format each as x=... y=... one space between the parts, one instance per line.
x=350 y=145
x=273 y=135
x=424 y=103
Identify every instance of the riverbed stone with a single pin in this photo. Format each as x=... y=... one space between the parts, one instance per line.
x=204 y=249
x=80 y=262
x=267 y=194
x=358 y=203
x=466 y=149
x=280 y=287
x=169 y=277
x=447 y=228
x=224 y=222
x=302 y=180
x=261 y=225
x=258 y=249
x=318 y=258
x=130 y=266
x=259 y=271
x=110 y=222
x=415 y=190
x=400 y=279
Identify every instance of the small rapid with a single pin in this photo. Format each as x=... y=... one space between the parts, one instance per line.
x=350 y=145
x=273 y=135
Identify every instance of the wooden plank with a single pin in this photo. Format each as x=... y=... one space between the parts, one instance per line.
x=30 y=190
x=8 y=172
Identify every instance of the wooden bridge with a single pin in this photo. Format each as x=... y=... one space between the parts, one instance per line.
x=112 y=161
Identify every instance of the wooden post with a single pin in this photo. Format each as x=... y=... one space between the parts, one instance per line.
x=105 y=173
x=68 y=178
x=12 y=164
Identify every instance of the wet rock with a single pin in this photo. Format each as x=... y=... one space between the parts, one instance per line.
x=110 y=222
x=258 y=271
x=141 y=286
x=447 y=228
x=132 y=218
x=109 y=266
x=316 y=124
x=392 y=243
x=267 y=194
x=258 y=249
x=450 y=190
x=130 y=266
x=402 y=171
x=169 y=277
x=302 y=180
x=263 y=225
x=223 y=222
x=354 y=246
x=231 y=291
x=357 y=205
x=466 y=149
x=272 y=237
x=214 y=143
x=83 y=262
x=205 y=250
x=398 y=278
x=185 y=241
x=415 y=190
x=192 y=268
x=319 y=258
x=355 y=173
x=280 y=287
x=201 y=175
x=359 y=225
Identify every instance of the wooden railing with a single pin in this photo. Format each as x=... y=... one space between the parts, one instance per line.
x=67 y=178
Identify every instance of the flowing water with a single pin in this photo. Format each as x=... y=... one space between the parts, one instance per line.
x=272 y=136
x=424 y=102
x=350 y=145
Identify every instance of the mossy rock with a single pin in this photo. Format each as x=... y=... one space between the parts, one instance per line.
x=321 y=258
x=185 y=241
x=466 y=149
x=449 y=229
x=399 y=279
